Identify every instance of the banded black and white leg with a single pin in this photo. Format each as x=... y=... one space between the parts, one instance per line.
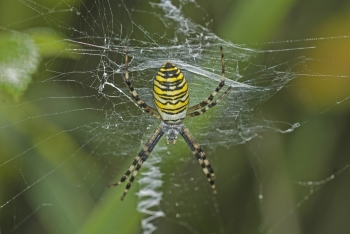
x=213 y=94
x=202 y=111
x=139 y=160
x=200 y=156
x=133 y=92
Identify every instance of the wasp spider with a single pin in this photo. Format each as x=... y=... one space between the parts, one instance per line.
x=171 y=97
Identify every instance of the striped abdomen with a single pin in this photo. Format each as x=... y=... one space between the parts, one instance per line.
x=170 y=93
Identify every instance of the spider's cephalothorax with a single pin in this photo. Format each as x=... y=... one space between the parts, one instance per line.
x=171 y=97
x=171 y=131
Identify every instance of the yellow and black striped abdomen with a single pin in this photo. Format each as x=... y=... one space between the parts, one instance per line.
x=170 y=93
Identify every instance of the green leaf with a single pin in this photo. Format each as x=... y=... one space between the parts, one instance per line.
x=19 y=59
x=51 y=43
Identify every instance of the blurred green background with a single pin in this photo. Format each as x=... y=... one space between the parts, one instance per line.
x=72 y=197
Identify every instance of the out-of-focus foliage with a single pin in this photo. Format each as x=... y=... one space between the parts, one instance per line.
x=51 y=43
x=19 y=59
x=21 y=54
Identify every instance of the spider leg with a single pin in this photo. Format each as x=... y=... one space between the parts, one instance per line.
x=127 y=173
x=221 y=84
x=133 y=92
x=134 y=174
x=202 y=111
x=200 y=155
x=140 y=159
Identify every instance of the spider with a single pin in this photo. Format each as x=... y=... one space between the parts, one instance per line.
x=171 y=97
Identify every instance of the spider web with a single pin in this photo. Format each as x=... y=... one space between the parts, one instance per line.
x=77 y=129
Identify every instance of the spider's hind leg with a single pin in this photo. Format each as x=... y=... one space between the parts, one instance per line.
x=134 y=174
x=200 y=155
x=127 y=173
x=139 y=160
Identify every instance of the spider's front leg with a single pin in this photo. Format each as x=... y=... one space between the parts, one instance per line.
x=139 y=160
x=208 y=103
x=202 y=111
x=213 y=94
x=133 y=92
x=200 y=155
